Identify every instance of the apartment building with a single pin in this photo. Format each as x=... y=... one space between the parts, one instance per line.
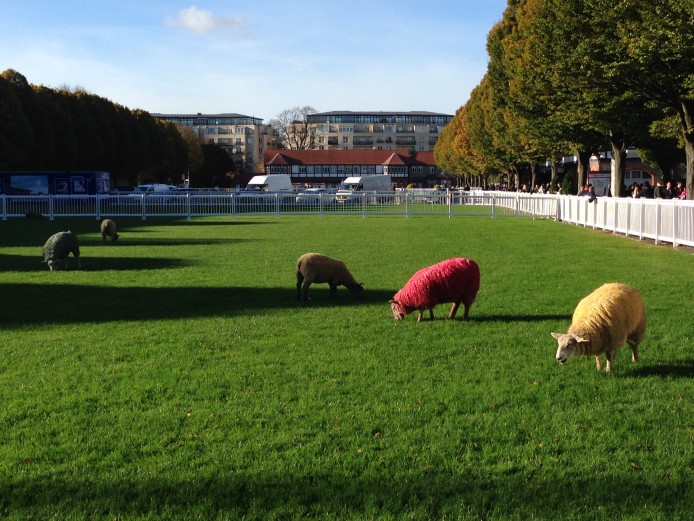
x=244 y=138
x=329 y=168
x=347 y=130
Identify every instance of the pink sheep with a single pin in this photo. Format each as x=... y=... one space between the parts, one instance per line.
x=453 y=280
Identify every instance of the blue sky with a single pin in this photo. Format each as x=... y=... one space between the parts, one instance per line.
x=254 y=57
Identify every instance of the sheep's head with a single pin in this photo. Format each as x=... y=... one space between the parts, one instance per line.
x=398 y=310
x=53 y=264
x=114 y=237
x=356 y=290
x=568 y=346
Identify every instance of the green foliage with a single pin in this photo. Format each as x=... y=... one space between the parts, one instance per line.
x=60 y=129
x=176 y=377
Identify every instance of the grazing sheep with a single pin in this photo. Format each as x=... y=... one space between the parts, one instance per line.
x=314 y=267
x=453 y=280
x=58 y=247
x=108 y=229
x=34 y=216
x=604 y=321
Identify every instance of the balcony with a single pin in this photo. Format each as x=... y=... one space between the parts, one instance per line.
x=405 y=141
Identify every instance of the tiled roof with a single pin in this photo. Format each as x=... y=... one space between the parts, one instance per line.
x=347 y=157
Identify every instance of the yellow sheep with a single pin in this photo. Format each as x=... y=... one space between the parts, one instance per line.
x=605 y=320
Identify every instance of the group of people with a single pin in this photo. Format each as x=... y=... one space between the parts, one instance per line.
x=662 y=190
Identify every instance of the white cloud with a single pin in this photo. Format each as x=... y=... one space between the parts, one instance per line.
x=203 y=21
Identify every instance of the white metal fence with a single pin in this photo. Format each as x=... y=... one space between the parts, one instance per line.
x=669 y=221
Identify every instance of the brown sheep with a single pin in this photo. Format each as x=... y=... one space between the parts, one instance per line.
x=314 y=267
x=108 y=229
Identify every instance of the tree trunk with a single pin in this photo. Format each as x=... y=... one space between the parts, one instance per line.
x=689 y=151
x=619 y=154
x=582 y=167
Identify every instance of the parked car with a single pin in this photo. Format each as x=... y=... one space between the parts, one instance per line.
x=312 y=195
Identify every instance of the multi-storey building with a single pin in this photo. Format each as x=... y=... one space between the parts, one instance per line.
x=346 y=130
x=330 y=167
x=244 y=138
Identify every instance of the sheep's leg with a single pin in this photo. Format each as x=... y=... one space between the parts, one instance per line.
x=597 y=363
x=333 y=289
x=419 y=318
x=299 y=281
x=610 y=360
x=634 y=352
x=454 y=309
x=306 y=285
x=431 y=313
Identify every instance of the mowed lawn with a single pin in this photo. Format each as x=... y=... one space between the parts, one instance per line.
x=175 y=376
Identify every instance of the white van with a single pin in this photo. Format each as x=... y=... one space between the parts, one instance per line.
x=351 y=188
x=152 y=189
x=269 y=183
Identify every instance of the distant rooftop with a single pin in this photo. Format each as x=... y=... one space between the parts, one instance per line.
x=348 y=116
x=228 y=118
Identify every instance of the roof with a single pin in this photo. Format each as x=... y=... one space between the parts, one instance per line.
x=378 y=113
x=347 y=157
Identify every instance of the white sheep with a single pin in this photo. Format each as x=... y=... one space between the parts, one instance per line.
x=318 y=268
x=108 y=229
x=602 y=322
x=58 y=247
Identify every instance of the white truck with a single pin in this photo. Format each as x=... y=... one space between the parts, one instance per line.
x=352 y=188
x=269 y=183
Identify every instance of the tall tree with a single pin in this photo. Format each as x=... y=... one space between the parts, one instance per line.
x=294 y=129
x=658 y=42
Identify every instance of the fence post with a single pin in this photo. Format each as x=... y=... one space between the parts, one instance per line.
x=363 y=202
x=674 y=222
x=142 y=207
x=657 y=221
x=4 y=207
x=50 y=207
x=188 y=209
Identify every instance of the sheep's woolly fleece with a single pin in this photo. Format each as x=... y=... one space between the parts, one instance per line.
x=447 y=281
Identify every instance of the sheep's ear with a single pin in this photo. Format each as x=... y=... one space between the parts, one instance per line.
x=555 y=335
x=581 y=340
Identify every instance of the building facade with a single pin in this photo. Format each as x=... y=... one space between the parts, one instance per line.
x=244 y=138
x=329 y=168
x=347 y=130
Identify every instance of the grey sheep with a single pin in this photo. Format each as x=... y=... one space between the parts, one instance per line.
x=108 y=229
x=605 y=320
x=315 y=267
x=58 y=247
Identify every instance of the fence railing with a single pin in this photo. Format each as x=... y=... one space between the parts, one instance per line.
x=189 y=205
x=670 y=221
x=662 y=220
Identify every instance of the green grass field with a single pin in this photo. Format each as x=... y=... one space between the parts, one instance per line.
x=175 y=376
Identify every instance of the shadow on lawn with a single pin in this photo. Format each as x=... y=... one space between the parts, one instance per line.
x=25 y=263
x=432 y=494
x=514 y=318
x=69 y=303
x=681 y=369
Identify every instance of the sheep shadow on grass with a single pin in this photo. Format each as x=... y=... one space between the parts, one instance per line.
x=25 y=263
x=675 y=369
